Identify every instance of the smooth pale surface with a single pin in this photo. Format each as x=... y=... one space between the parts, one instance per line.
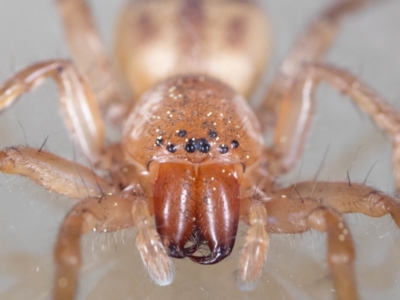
x=29 y=217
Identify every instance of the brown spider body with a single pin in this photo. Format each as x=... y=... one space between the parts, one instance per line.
x=192 y=154
x=186 y=128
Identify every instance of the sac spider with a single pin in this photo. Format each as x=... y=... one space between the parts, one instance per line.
x=260 y=190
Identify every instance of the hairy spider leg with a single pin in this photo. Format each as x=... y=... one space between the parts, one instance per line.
x=341 y=196
x=381 y=112
x=74 y=180
x=296 y=215
x=108 y=214
x=91 y=59
x=77 y=102
x=319 y=207
x=294 y=118
x=311 y=46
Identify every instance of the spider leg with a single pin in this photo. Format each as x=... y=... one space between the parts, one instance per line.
x=154 y=256
x=255 y=247
x=340 y=252
x=91 y=58
x=381 y=112
x=311 y=46
x=348 y=198
x=319 y=206
x=297 y=215
x=292 y=215
x=53 y=173
x=110 y=213
x=102 y=211
x=77 y=102
x=290 y=136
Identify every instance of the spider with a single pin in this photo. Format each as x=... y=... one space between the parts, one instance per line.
x=202 y=144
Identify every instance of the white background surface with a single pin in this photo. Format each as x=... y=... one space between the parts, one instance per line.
x=369 y=46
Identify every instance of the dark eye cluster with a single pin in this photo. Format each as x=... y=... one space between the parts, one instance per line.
x=212 y=134
x=201 y=145
x=181 y=133
x=171 y=148
x=192 y=145
x=159 y=141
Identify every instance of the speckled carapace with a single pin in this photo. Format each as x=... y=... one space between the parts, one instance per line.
x=192 y=119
